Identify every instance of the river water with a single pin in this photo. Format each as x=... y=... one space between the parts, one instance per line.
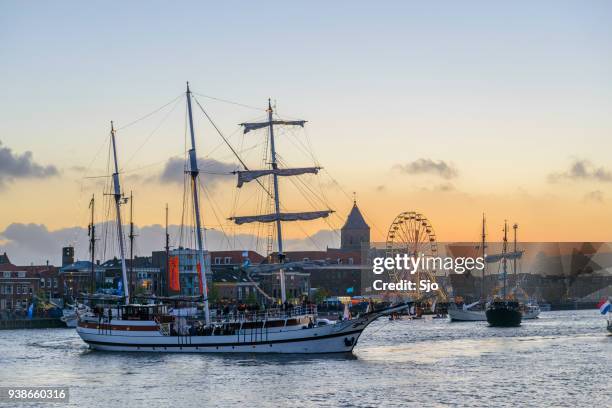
x=561 y=359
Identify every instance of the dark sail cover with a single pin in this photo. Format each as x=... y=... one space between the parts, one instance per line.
x=258 y=125
x=300 y=216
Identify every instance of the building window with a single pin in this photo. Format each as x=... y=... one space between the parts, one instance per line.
x=6 y=275
x=55 y=283
x=306 y=259
x=227 y=260
x=339 y=261
x=350 y=261
x=217 y=260
x=21 y=274
x=19 y=289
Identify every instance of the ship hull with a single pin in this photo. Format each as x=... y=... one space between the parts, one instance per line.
x=342 y=342
x=501 y=316
x=459 y=315
x=480 y=316
x=146 y=336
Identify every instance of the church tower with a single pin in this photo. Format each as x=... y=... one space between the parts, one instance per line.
x=355 y=230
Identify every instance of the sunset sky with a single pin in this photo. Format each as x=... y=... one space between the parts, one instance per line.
x=451 y=109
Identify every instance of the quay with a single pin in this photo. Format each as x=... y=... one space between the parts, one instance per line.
x=36 y=323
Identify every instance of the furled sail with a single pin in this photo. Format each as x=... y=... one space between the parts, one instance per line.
x=300 y=216
x=498 y=257
x=258 y=125
x=250 y=175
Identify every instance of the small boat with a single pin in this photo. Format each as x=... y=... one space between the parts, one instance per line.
x=70 y=314
x=530 y=311
x=545 y=307
x=69 y=317
x=467 y=313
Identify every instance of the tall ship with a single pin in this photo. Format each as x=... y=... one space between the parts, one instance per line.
x=504 y=311
x=116 y=323
x=476 y=311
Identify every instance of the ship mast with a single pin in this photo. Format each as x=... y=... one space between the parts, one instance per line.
x=131 y=236
x=277 y=216
x=92 y=246
x=194 y=171
x=164 y=289
x=117 y=195
x=279 y=234
x=484 y=248
x=514 y=227
x=504 y=260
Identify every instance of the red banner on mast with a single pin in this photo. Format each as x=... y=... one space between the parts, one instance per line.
x=200 y=278
x=173 y=274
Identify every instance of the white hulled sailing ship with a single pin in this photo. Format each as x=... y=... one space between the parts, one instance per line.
x=125 y=326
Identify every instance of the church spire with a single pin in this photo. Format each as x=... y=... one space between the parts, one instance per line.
x=355 y=230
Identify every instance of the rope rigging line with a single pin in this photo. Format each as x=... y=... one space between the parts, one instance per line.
x=227 y=143
x=230 y=102
x=150 y=113
x=208 y=195
x=159 y=125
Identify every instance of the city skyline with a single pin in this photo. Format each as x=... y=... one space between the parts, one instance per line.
x=450 y=110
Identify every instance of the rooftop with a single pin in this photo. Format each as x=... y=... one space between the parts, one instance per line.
x=355 y=220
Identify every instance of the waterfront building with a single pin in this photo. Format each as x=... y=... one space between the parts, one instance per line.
x=144 y=277
x=188 y=273
x=297 y=283
x=20 y=284
x=234 y=286
x=76 y=278
x=220 y=260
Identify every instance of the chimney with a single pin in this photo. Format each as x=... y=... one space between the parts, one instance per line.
x=67 y=255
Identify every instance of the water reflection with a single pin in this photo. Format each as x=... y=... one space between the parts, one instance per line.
x=400 y=363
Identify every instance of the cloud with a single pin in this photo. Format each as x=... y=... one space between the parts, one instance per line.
x=35 y=243
x=594 y=196
x=428 y=166
x=582 y=170
x=444 y=187
x=439 y=188
x=213 y=171
x=14 y=166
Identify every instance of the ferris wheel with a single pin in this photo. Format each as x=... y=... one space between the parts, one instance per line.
x=411 y=233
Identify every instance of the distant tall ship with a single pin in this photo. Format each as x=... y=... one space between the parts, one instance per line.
x=153 y=327
x=476 y=311
x=504 y=312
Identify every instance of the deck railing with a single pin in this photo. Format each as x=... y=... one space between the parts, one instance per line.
x=268 y=314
